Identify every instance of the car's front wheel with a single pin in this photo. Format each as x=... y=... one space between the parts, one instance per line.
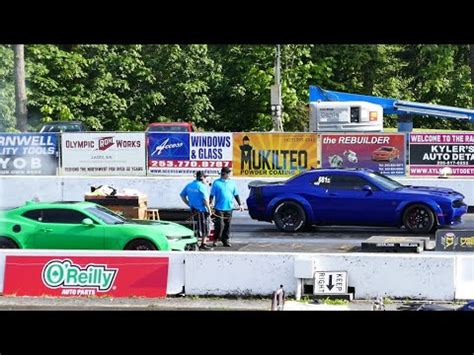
x=7 y=243
x=419 y=219
x=140 y=244
x=289 y=216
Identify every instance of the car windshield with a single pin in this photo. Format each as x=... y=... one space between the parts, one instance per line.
x=386 y=149
x=105 y=215
x=63 y=128
x=385 y=182
x=168 y=129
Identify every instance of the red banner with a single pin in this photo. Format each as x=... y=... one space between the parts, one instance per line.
x=86 y=276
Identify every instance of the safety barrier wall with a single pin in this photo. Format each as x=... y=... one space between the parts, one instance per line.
x=250 y=154
x=162 y=192
x=434 y=275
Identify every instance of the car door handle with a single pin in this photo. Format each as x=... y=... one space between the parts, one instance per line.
x=46 y=230
x=333 y=194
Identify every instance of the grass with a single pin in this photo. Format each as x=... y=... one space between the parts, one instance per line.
x=335 y=301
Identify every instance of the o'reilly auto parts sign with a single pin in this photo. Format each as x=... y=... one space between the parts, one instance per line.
x=86 y=276
x=103 y=153
x=67 y=275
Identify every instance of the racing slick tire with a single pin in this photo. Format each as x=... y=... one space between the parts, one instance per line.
x=419 y=219
x=7 y=243
x=140 y=244
x=289 y=216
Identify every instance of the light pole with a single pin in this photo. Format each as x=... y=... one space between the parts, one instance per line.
x=275 y=96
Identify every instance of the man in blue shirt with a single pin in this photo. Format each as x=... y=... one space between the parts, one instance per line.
x=224 y=191
x=196 y=196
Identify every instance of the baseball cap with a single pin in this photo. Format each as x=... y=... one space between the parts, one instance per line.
x=200 y=174
x=226 y=170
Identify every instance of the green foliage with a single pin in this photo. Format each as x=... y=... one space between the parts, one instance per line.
x=225 y=87
x=7 y=91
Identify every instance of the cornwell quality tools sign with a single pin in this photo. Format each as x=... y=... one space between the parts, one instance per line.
x=273 y=154
x=185 y=153
x=380 y=152
x=28 y=154
x=86 y=276
x=430 y=152
x=103 y=154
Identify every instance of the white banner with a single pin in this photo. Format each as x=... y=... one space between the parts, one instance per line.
x=103 y=153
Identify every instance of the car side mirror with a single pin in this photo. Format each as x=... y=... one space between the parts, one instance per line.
x=368 y=189
x=87 y=222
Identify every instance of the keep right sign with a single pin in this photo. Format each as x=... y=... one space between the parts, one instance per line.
x=330 y=282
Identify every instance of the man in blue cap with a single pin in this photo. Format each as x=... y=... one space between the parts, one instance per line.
x=224 y=191
x=196 y=196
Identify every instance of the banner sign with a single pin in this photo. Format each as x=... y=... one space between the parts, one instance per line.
x=28 y=154
x=185 y=153
x=430 y=152
x=274 y=154
x=384 y=153
x=86 y=276
x=103 y=153
x=455 y=240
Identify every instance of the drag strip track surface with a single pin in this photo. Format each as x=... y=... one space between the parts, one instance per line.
x=250 y=235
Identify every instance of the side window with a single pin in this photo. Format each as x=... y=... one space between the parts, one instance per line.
x=58 y=215
x=347 y=182
x=35 y=215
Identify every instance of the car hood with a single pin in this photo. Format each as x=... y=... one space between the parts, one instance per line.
x=170 y=229
x=430 y=190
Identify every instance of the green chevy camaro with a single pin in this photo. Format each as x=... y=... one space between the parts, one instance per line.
x=86 y=225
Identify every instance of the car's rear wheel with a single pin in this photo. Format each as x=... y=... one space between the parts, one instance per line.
x=7 y=243
x=419 y=219
x=289 y=216
x=141 y=244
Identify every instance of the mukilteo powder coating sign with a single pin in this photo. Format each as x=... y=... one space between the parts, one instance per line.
x=103 y=153
x=273 y=154
x=430 y=152
x=380 y=152
x=86 y=276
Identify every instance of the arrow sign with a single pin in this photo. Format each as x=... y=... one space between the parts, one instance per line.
x=330 y=285
x=330 y=282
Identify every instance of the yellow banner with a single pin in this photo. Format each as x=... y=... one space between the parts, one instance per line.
x=273 y=154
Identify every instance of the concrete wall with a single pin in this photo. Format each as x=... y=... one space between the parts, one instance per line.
x=162 y=192
x=238 y=273
x=433 y=275
x=417 y=276
x=464 y=277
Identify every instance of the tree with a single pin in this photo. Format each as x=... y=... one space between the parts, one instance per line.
x=20 y=88
x=7 y=90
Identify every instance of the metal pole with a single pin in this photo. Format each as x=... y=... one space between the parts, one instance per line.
x=276 y=95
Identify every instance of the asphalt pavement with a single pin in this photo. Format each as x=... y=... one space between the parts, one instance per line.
x=254 y=236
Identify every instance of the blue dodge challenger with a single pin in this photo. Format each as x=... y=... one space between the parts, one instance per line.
x=353 y=197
